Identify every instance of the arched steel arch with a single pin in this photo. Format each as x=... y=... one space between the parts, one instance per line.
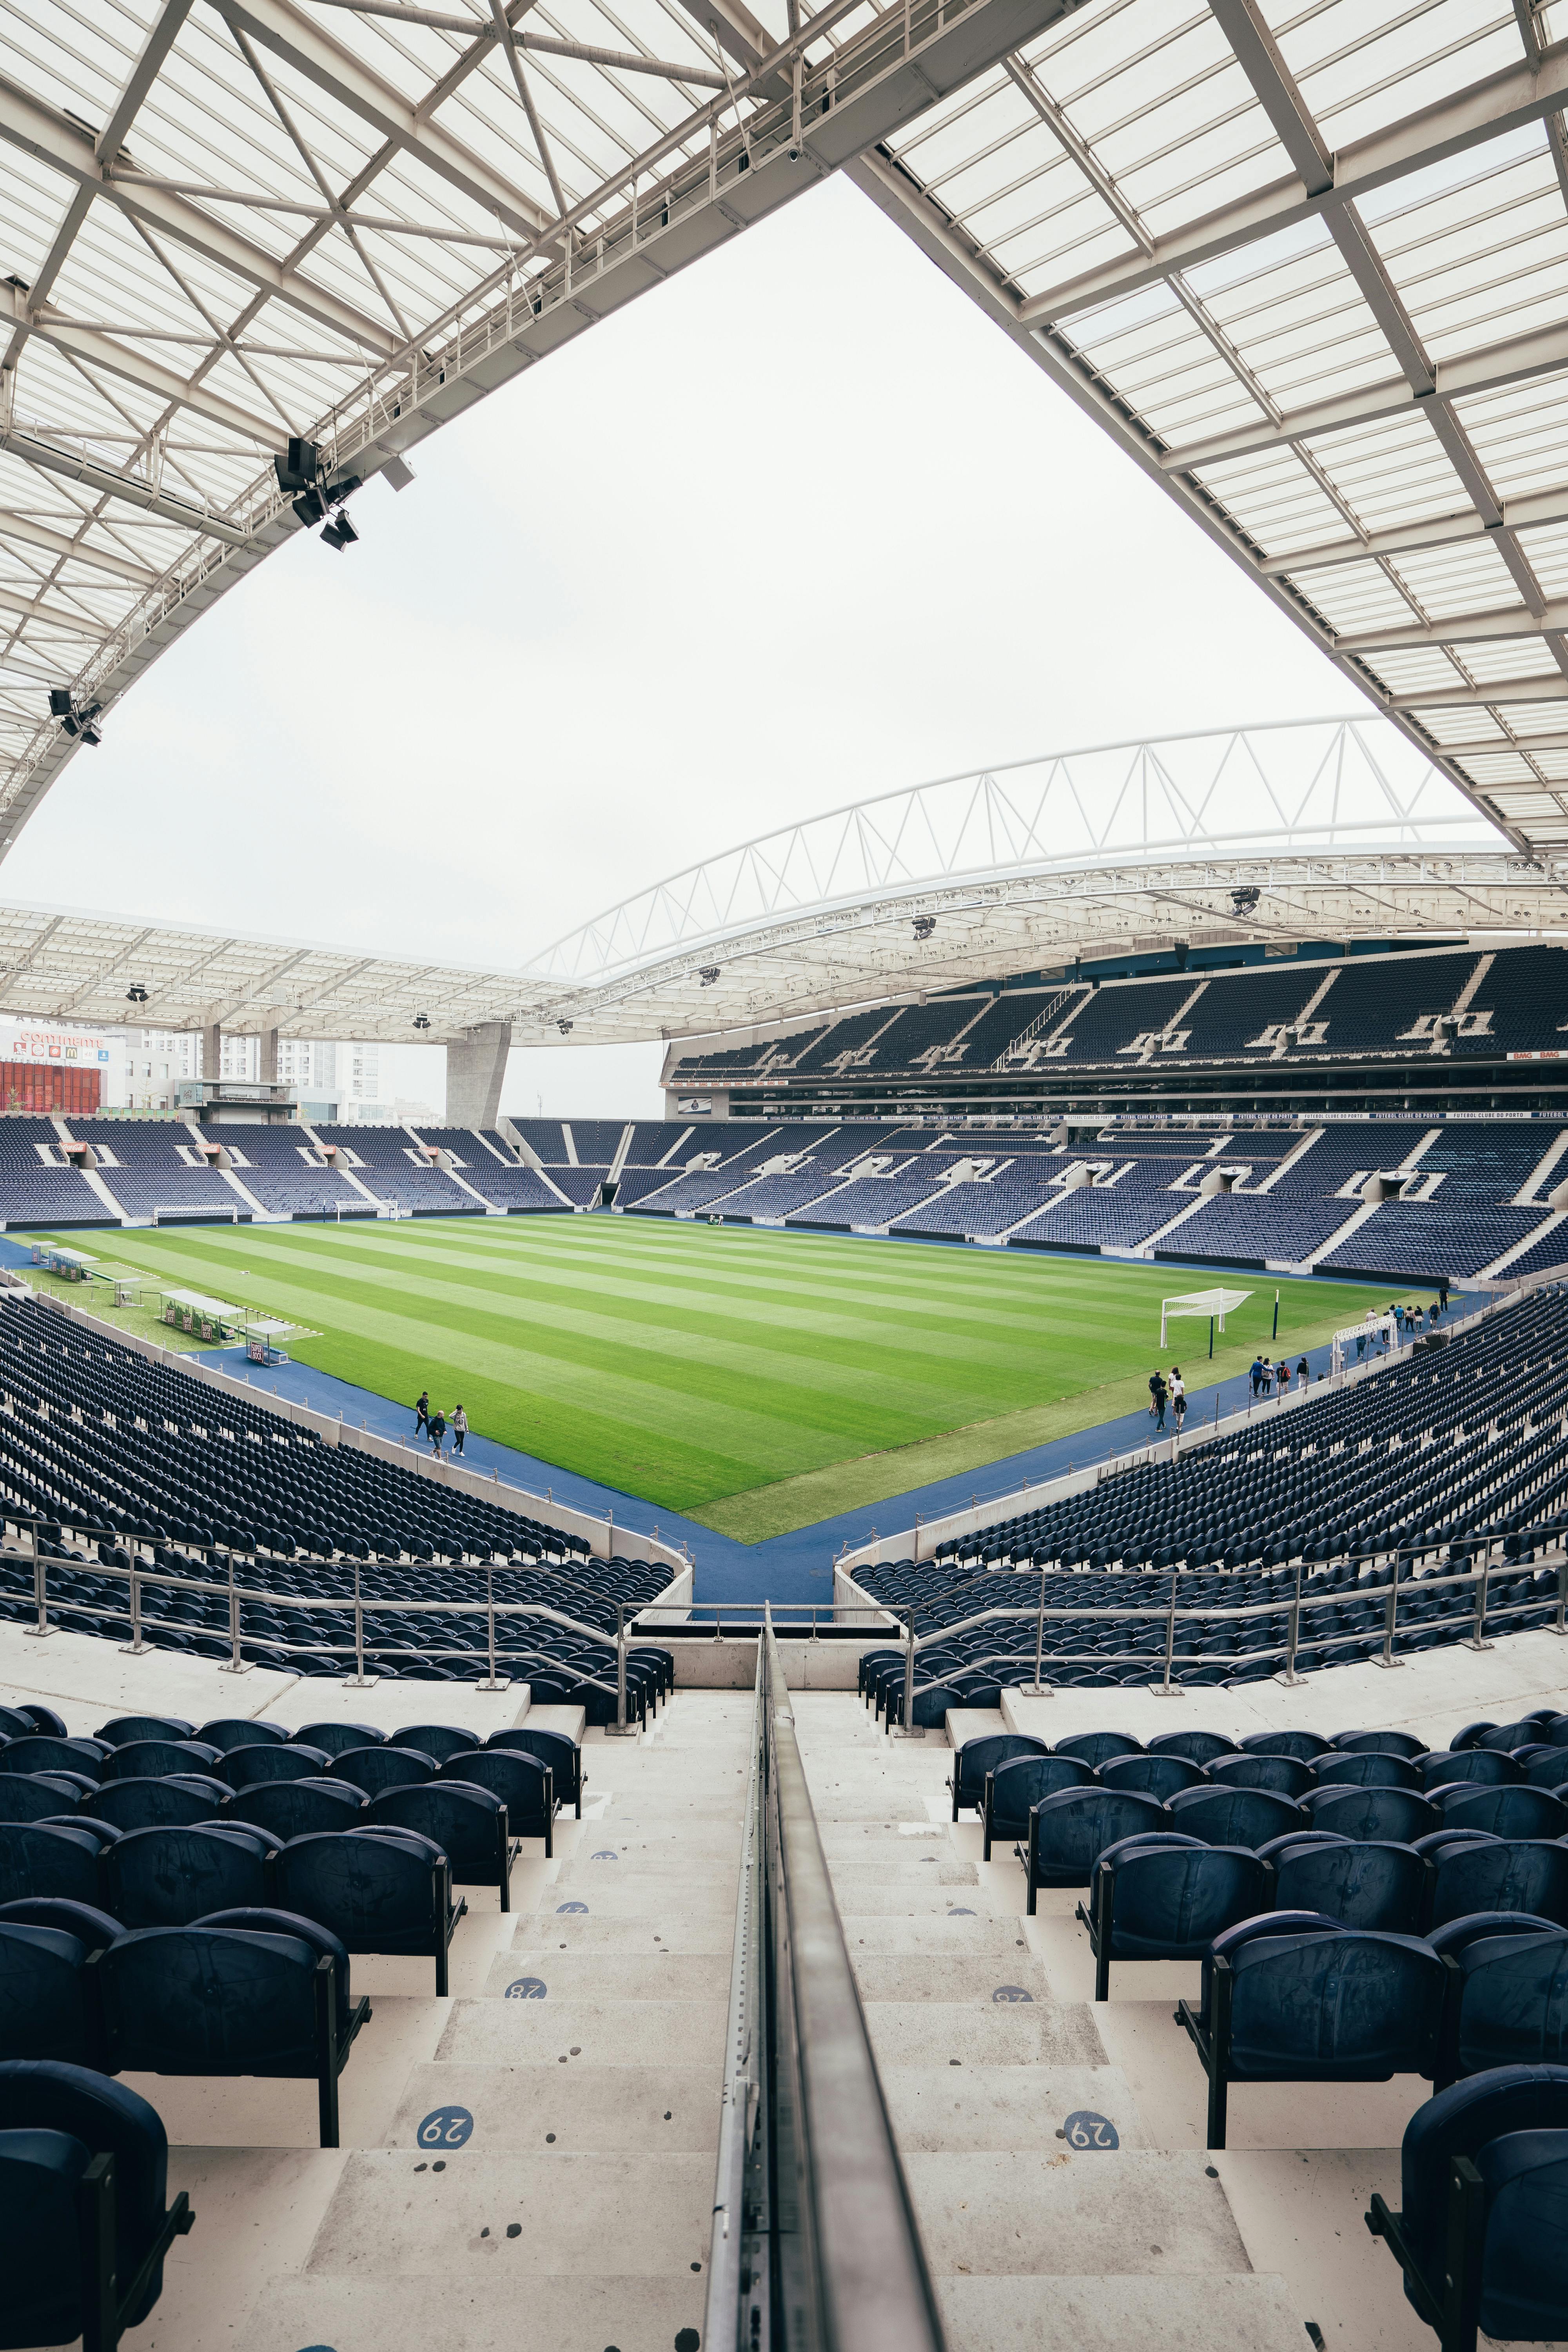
x=1320 y=828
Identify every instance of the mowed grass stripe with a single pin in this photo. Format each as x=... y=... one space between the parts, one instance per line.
x=704 y=1366
x=595 y=1377
x=823 y=1364
x=823 y=1372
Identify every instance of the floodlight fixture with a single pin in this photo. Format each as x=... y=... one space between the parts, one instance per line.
x=79 y=719
x=1245 y=900
x=708 y=974
x=299 y=465
x=422 y=1021
x=924 y=925
x=136 y=994
x=564 y=1027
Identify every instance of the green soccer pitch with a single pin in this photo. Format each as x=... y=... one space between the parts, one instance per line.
x=755 y=1380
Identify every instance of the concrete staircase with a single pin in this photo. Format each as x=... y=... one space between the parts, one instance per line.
x=986 y=2047
x=528 y=2166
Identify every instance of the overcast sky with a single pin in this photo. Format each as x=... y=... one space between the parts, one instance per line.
x=799 y=526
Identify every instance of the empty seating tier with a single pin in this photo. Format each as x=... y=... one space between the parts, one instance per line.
x=1402 y=1512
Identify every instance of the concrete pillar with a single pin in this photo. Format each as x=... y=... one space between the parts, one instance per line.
x=476 y=1066
x=212 y=1051
x=270 y=1056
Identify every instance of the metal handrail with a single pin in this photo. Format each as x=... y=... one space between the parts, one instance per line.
x=829 y=2256
x=138 y=1575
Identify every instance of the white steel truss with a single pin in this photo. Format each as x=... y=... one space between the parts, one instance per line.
x=227 y=223
x=1328 y=829
x=1332 y=828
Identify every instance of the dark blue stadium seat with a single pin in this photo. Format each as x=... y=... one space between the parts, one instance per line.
x=45 y=2008
x=385 y=1889
x=468 y=1824
x=31 y=1796
x=1487 y=1766
x=1096 y=1747
x=90 y=1925
x=1151 y=1776
x=48 y=1858
x=1168 y=1902
x=1457 y=2275
x=1305 y=1745
x=1394 y=1816
x=227 y=1733
x=253 y=1768
x=1069 y=1832
x=334 y=1740
x=158 y=1804
x=169 y=1877
x=292 y=1809
x=151 y=1759
x=1508 y=1812
x=1366 y=1768
x=975 y=1758
x=375 y=1769
x=1281 y=1776
x=125 y=1728
x=440 y=1740
x=1015 y=1787
x=1196 y=1746
x=1303 y=2007
x=1523 y=1874
x=1378 y=1743
x=564 y=1756
x=525 y=1786
x=1512 y=2004
x=267 y=1996
x=1222 y=1816
x=44 y=1753
x=1361 y=1883
x=96 y=2268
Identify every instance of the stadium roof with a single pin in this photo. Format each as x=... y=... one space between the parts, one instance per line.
x=1305 y=260
x=61 y=964
x=1329 y=829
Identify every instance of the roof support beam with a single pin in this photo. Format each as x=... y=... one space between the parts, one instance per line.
x=1410 y=539
x=52 y=138
x=1260 y=58
x=107 y=483
x=1536 y=688
x=74 y=551
x=95 y=350
x=891 y=186
x=1458 y=629
x=289 y=34
x=1505 y=101
x=59 y=616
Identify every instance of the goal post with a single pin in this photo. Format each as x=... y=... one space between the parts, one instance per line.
x=1215 y=1304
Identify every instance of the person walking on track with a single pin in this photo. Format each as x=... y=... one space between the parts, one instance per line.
x=438 y=1431
x=422 y=1412
x=459 y=1428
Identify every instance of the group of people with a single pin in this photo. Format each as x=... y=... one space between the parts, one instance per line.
x=1163 y=1393
x=434 y=1425
x=1264 y=1377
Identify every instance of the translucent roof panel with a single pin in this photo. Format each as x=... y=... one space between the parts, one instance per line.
x=1305 y=260
x=230 y=225
x=1331 y=326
